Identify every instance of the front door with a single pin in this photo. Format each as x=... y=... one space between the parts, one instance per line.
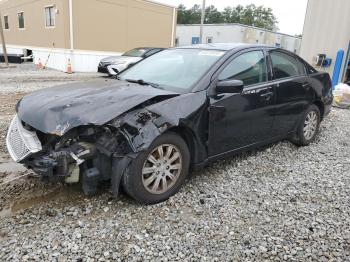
x=240 y=120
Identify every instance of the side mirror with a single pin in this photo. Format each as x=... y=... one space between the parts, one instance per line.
x=229 y=86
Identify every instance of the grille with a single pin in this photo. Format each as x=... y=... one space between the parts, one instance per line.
x=21 y=142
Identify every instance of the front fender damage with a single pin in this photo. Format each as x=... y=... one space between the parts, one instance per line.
x=139 y=129
x=92 y=154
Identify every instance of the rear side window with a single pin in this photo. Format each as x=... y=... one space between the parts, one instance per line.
x=249 y=67
x=135 y=52
x=151 y=52
x=310 y=69
x=285 y=65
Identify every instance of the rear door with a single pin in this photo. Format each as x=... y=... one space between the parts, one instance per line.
x=240 y=120
x=293 y=90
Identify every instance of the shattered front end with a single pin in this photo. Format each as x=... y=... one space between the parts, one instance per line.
x=85 y=154
x=20 y=141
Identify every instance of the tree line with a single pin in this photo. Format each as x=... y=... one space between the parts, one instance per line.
x=251 y=15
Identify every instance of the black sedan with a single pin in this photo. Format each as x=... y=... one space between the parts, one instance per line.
x=176 y=110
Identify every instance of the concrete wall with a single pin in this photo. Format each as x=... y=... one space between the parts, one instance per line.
x=226 y=33
x=326 y=29
x=81 y=61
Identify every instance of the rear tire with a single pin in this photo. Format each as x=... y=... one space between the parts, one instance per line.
x=308 y=127
x=158 y=173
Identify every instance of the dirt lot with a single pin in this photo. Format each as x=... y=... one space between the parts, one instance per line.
x=14 y=84
x=278 y=203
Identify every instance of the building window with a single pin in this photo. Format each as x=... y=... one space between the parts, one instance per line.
x=209 y=40
x=49 y=16
x=21 y=20
x=6 y=22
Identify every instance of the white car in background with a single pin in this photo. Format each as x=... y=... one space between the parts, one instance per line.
x=112 y=65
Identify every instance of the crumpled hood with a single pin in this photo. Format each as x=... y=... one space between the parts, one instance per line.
x=58 y=109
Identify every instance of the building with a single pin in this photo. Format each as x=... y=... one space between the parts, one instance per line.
x=84 y=31
x=228 y=33
x=326 y=31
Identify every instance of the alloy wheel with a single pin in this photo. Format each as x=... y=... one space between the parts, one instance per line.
x=162 y=169
x=310 y=125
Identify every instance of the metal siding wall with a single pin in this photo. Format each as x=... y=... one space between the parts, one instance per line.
x=120 y=25
x=326 y=29
x=35 y=32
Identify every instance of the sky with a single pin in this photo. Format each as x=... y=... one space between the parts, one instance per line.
x=290 y=13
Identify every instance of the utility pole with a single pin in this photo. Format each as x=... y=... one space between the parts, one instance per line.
x=202 y=23
x=3 y=42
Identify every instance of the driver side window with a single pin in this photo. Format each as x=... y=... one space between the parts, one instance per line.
x=249 y=67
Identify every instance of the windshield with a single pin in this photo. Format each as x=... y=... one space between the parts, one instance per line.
x=137 y=52
x=173 y=69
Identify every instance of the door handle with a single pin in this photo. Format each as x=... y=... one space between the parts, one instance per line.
x=306 y=85
x=267 y=96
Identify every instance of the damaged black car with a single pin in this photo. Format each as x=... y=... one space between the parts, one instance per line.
x=170 y=113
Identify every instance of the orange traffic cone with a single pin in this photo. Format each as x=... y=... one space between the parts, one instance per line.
x=39 y=65
x=69 y=67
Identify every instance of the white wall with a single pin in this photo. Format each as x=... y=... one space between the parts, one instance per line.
x=12 y=50
x=81 y=61
x=228 y=33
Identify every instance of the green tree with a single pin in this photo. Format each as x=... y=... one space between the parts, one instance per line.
x=194 y=15
x=252 y=15
x=232 y=15
x=227 y=14
x=181 y=14
x=213 y=16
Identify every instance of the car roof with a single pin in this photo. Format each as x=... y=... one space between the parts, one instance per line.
x=222 y=46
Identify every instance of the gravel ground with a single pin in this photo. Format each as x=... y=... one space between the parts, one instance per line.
x=278 y=203
x=25 y=78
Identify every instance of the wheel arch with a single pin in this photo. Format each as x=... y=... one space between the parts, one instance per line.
x=320 y=106
x=188 y=136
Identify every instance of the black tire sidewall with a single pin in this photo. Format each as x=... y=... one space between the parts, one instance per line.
x=302 y=140
x=132 y=180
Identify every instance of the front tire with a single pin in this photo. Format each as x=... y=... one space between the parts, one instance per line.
x=158 y=173
x=308 y=127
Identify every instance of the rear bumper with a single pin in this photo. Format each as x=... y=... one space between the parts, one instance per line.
x=327 y=110
x=328 y=102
